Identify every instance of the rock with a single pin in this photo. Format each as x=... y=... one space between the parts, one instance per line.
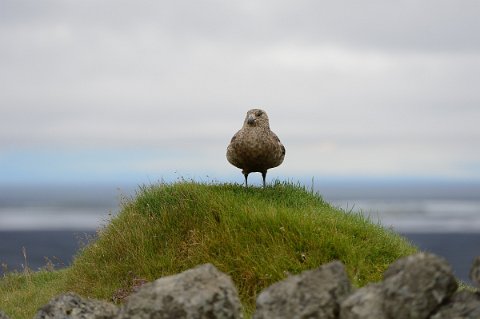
x=463 y=305
x=201 y=292
x=475 y=271
x=365 y=303
x=3 y=315
x=72 y=306
x=311 y=294
x=416 y=285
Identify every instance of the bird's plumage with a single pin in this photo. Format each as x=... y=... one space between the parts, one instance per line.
x=255 y=148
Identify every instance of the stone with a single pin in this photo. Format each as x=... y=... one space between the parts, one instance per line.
x=201 y=292
x=72 y=306
x=364 y=303
x=475 y=271
x=311 y=294
x=416 y=285
x=463 y=305
x=3 y=315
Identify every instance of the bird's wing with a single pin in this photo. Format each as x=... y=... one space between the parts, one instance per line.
x=275 y=137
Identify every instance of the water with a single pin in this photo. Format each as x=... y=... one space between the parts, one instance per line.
x=50 y=221
x=419 y=215
x=36 y=249
x=59 y=208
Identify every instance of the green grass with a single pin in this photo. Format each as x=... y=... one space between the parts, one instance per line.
x=257 y=236
x=22 y=293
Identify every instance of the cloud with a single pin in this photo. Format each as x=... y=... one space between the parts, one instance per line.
x=380 y=88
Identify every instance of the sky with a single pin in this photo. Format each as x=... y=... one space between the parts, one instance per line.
x=140 y=91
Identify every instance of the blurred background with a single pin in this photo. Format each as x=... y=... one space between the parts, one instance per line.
x=377 y=104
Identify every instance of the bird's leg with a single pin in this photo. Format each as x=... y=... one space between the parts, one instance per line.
x=264 y=175
x=246 y=176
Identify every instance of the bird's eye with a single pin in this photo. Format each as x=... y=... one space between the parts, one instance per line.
x=259 y=113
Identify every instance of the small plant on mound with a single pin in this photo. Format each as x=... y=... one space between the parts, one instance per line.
x=257 y=236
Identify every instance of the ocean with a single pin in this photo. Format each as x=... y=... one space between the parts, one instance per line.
x=42 y=226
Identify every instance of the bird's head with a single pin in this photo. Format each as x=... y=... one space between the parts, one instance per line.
x=256 y=117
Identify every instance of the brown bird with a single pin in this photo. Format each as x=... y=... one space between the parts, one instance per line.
x=255 y=148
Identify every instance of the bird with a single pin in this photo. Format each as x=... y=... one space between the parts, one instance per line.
x=255 y=148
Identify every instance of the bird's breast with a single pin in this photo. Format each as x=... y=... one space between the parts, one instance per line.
x=255 y=151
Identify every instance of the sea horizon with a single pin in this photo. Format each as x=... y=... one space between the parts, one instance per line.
x=49 y=221
x=403 y=206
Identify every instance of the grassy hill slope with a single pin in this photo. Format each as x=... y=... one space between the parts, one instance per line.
x=257 y=236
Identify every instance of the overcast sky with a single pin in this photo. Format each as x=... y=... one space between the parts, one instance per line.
x=144 y=90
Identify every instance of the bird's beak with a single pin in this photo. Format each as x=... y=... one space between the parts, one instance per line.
x=251 y=119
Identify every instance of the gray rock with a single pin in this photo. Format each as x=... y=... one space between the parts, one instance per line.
x=72 y=306
x=311 y=294
x=201 y=292
x=475 y=271
x=416 y=285
x=3 y=315
x=463 y=305
x=364 y=303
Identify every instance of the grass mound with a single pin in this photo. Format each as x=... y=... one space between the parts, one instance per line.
x=257 y=236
